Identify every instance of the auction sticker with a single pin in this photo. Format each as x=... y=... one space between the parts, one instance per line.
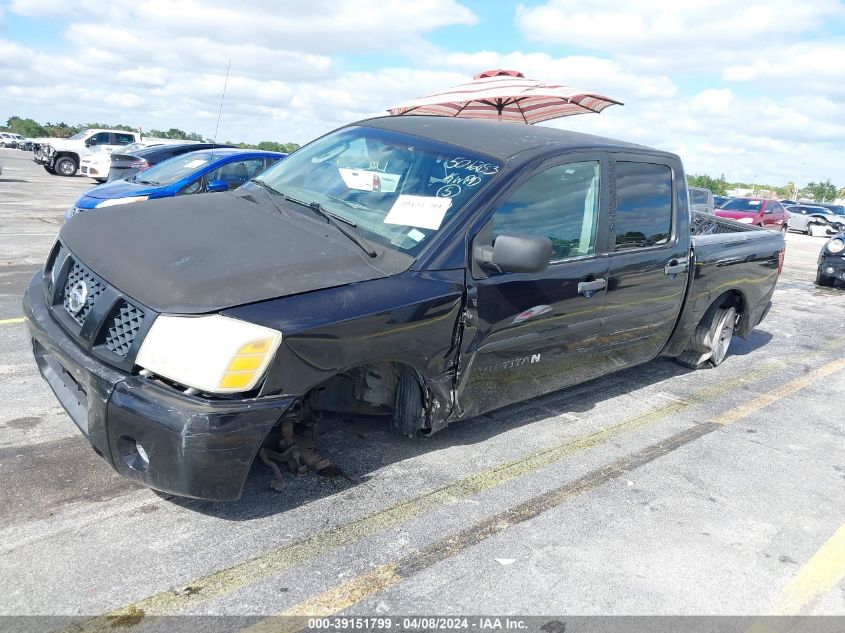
x=425 y=212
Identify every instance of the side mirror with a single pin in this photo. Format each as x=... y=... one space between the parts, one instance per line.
x=90 y=141
x=217 y=185
x=515 y=254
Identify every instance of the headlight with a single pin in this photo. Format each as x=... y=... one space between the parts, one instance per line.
x=745 y=220
x=114 y=201
x=214 y=354
x=836 y=246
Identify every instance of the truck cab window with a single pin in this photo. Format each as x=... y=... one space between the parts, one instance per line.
x=561 y=203
x=644 y=205
x=101 y=138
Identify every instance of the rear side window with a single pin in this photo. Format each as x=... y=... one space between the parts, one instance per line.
x=697 y=196
x=123 y=139
x=561 y=203
x=643 y=205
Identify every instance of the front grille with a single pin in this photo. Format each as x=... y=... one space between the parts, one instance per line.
x=109 y=325
x=123 y=326
x=95 y=288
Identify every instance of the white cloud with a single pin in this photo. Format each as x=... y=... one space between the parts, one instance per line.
x=40 y=8
x=595 y=74
x=749 y=90
x=623 y=26
x=808 y=66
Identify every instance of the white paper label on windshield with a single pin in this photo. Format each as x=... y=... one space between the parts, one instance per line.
x=197 y=162
x=425 y=212
x=754 y=203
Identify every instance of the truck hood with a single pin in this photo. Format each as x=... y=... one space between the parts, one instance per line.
x=63 y=143
x=203 y=253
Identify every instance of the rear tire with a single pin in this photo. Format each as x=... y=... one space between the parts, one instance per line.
x=65 y=166
x=408 y=405
x=712 y=338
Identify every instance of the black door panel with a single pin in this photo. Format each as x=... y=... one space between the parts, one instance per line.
x=647 y=272
x=528 y=334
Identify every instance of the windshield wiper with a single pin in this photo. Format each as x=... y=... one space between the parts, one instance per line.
x=263 y=184
x=270 y=192
x=145 y=182
x=336 y=221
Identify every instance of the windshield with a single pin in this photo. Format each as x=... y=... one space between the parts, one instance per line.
x=742 y=204
x=177 y=168
x=398 y=189
x=132 y=147
x=78 y=135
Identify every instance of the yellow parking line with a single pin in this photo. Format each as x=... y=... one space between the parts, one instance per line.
x=788 y=389
x=11 y=321
x=820 y=574
x=227 y=581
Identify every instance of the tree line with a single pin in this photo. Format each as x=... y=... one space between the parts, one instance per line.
x=30 y=128
x=819 y=191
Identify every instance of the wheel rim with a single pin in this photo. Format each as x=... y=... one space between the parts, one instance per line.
x=65 y=167
x=726 y=333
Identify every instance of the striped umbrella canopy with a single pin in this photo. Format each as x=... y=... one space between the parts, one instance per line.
x=507 y=95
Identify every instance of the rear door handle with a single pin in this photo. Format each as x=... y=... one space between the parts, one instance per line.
x=589 y=288
x=676 y=266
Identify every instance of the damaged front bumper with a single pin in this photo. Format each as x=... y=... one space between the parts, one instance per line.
x=44 y=155
x=832 y=266
x=147 y=431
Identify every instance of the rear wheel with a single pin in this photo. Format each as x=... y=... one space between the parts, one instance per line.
x=65 y=166
x=712 y=338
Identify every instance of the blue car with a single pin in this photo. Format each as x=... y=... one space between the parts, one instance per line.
x=202 y=171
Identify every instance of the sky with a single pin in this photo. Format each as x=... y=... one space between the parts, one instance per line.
x=752 y=90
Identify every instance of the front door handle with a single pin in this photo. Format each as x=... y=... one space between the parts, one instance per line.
x=589 y=288
x=676 y=266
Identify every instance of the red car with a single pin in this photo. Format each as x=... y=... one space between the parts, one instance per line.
x=757 y=211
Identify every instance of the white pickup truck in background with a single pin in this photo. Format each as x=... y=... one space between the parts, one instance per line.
x=63 y=156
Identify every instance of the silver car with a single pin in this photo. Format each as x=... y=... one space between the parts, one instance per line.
x=814 y=220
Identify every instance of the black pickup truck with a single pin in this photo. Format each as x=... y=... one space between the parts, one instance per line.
x=421 y=268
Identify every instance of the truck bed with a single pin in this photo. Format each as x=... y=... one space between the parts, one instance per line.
x=728 y=256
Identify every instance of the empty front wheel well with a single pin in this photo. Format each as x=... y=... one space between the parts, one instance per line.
x=393 y=390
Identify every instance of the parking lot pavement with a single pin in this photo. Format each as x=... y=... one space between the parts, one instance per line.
x=650 y=491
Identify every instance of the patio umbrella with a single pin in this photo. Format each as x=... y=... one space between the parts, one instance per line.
x=508 y=96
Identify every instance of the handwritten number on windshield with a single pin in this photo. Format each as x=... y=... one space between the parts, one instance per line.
x=468 y=164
